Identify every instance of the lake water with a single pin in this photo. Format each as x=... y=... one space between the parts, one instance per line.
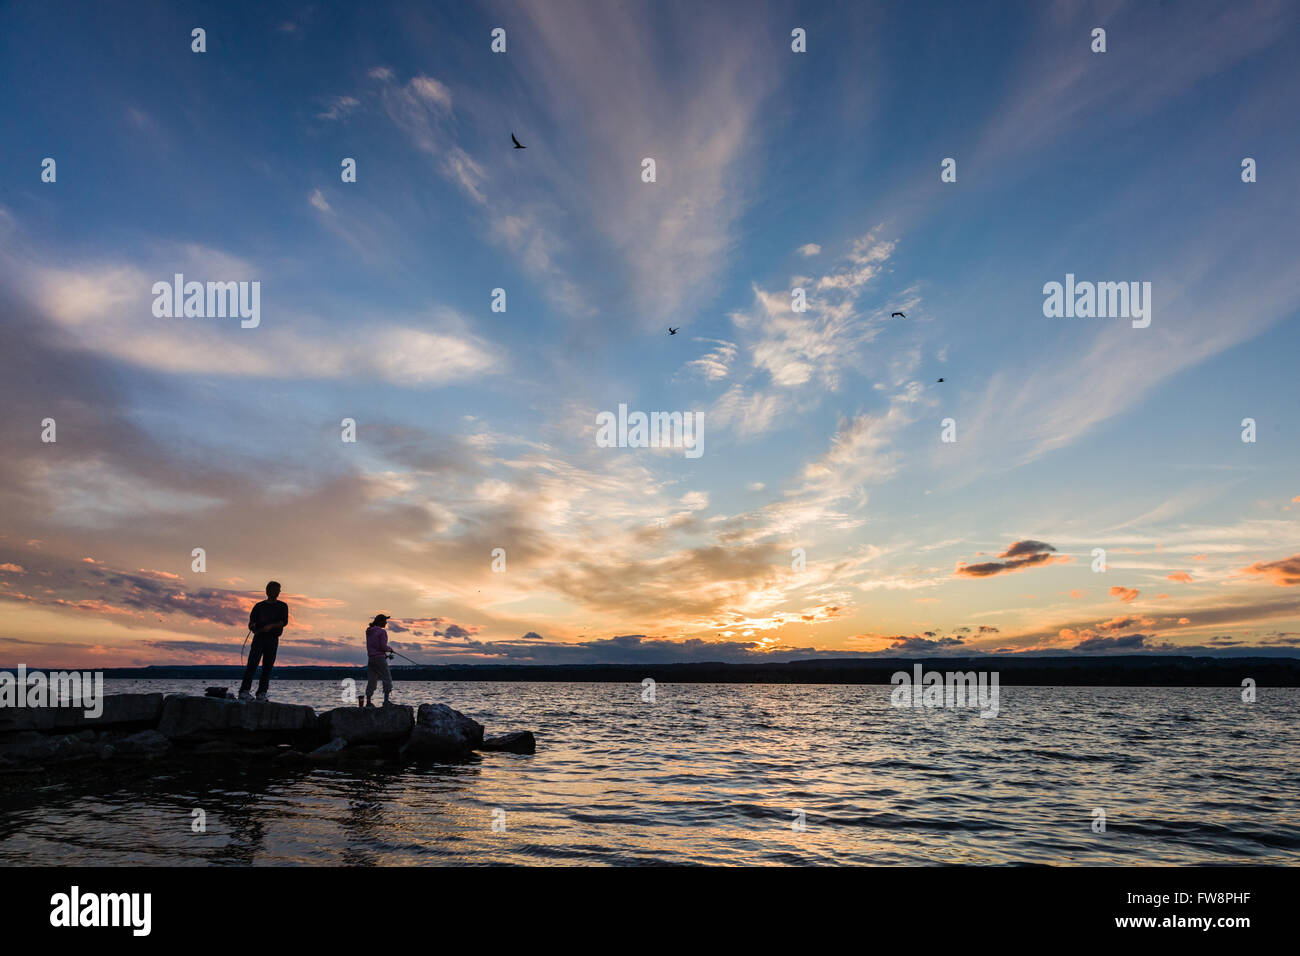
x=714 y=774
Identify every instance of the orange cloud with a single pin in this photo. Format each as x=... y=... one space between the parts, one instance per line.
x=1284 y=572
x=1124 y=594
x=1021 y=556
x=1181 y=576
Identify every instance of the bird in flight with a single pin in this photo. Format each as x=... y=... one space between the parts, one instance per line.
x=940 y=380
x=898 y=315
x=518 y=145
x=673 y=331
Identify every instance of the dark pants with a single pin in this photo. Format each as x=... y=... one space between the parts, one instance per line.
x=263 y=649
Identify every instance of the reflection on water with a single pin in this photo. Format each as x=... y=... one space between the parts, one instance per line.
x=713 y=773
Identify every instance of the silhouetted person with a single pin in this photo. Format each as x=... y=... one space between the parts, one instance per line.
x=267 y=621
x=378 y=654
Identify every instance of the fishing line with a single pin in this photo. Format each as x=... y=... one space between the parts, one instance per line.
x=405 y=658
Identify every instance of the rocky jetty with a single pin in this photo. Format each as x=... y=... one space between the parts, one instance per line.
x=150 y=727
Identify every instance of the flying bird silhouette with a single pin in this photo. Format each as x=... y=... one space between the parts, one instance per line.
x=940 y=380
x=673 y=331
x=518 y=145
x=899 y=314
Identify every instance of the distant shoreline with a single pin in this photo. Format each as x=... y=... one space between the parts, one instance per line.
x=1116 y=671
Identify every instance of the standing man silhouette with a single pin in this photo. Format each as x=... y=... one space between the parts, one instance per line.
x=267 y=621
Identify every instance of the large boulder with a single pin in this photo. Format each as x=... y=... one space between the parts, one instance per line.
x=516 y=742
x=118 y=710
x=209 y=718
x=369 y=725
x=441 y=732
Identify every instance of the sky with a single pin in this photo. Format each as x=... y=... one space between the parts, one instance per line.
x=844 y=501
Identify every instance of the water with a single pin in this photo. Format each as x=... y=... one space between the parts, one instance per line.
x=710 y=773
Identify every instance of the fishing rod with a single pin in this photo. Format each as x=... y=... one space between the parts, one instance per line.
x=405 y=658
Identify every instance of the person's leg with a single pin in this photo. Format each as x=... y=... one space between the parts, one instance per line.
x=268 y=661
x=372 y=678
x=387 y=676
x=254 y=654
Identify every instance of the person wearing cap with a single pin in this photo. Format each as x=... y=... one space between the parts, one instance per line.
x=379 y=653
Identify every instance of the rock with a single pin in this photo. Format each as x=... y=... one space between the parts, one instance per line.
x=147 y=743
x=369 y=725
x=516 y=742
x=329 y=751
x=236 y=749
x=221 y=693
x=442 y=732
x=363 y=752
x=219 y=748
x=119 y=710
x=208 y=718
x=288 y=756
x=28 y=746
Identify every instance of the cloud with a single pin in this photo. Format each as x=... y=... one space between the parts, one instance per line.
x=715 y=364
x=817 y=345
x=587 y=67
x=422 y=109
x=1127 y=595
x=1021 y=556
x=1284 y=572
x=317 y=199
x=809 y=249
x=337 y=107
x=922 y=645
x=748 y=413
x=1129 y=642
x=107 y=309
x=1181 y=576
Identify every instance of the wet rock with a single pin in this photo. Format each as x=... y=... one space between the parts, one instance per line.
x=289 y=756
x=369 y=725
x=219 y=748
x=363 y=752
x=208 y=718
x=516 y=742
x=221 y=693
x=146 y=743
x=119 y=710
x=441 y=732
x=29 y=747
x=329 y=751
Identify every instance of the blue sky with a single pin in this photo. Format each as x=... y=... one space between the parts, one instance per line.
x=775 y=170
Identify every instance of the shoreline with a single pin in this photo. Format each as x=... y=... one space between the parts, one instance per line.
x=1113 y=671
